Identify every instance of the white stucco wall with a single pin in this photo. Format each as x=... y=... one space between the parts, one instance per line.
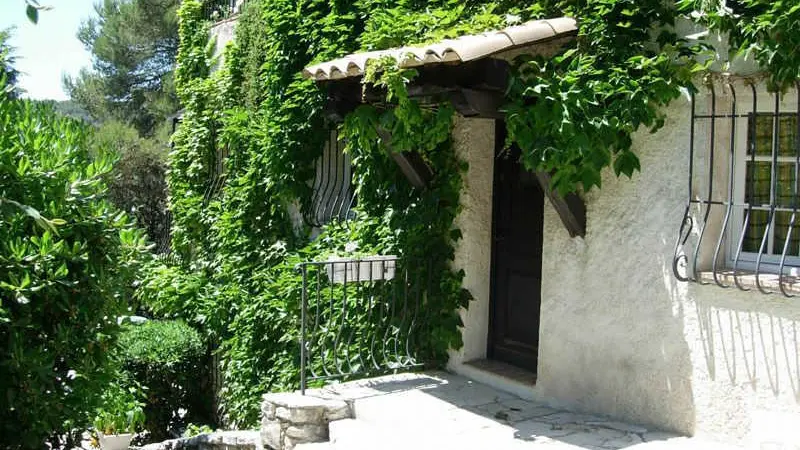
x=474 y=142
x=619 y=335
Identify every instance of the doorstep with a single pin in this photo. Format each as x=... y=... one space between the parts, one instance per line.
x=501 y=376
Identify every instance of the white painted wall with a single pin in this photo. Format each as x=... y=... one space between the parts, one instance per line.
x=474 y=142
x=619 y=335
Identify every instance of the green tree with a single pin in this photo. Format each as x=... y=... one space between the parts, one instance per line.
x=7 y=70
x=137 y=183
x=133 y=44
x=67 y=264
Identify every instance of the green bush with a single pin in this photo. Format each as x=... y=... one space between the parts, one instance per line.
x=169 y=359
x=67 y=263
x=122 y=409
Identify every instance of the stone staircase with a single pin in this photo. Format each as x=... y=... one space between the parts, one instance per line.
x=442 y=411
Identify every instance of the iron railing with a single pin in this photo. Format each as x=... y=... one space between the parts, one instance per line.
x=333 y=195
x=218 y=10
x=360 y=317
x=739 y=226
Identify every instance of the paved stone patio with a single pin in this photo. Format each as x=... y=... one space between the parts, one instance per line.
x=443 y=411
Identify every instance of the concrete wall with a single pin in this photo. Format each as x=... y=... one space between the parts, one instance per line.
x=619 y=334
x=474 y=142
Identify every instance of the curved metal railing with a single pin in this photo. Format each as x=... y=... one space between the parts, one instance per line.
x=360 y=317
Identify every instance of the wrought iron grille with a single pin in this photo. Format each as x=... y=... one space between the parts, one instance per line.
x=217 y=175
x=333 y=194
x=163 y=246
x=740 y=223
x=216 y=180
x=217 y=10
x=360 y=317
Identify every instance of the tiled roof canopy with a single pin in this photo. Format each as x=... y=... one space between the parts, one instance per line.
x=463 y=49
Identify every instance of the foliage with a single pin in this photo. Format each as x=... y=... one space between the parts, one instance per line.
x=122 y=409
x=239 y=282
x=160 y=345
x=765 y=30
x=193 y=430
x=137 y=184
x=572 y=115
x=71 y=109
x=32 y=8
x=169 y=359
x=133 y=45
x=8 y=74
x=67 y=261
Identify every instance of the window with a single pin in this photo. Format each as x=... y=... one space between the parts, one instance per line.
x=741 y=224
x=332 y=191
x=764 y=226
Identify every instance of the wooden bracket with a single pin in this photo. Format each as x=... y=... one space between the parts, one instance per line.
x=418 y=173
x=570 y=208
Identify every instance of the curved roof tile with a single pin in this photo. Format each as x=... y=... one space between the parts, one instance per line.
x=462 y=49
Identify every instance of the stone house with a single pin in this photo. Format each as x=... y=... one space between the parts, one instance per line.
x=666 y=299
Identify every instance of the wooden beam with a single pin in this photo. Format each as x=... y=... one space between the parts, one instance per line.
x=478 y=103
x=418 y=173
x=570 y=208
x=475 y=88
x=414 y=168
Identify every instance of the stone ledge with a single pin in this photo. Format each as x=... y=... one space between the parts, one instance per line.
x=221 y=440
x=289 y=419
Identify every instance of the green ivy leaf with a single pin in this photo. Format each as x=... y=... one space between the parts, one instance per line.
x=32 y=13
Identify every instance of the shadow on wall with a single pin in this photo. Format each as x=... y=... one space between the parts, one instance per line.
x=758 y=349
x=613 y=336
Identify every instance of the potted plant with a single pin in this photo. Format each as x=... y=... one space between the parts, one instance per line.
x=118 y=419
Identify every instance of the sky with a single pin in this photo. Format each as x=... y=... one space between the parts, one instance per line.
x=50 y=49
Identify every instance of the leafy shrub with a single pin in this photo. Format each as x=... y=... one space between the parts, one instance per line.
x=169 y=359
x=195 y=430
x=67 y=263
x=7 y=70
x=137 y=183
x=122 y=409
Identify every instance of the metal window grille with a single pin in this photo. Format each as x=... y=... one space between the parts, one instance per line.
x=217 y=175
x=216 y=180
x=333 y=196
x=361 y=317
x=740 y=223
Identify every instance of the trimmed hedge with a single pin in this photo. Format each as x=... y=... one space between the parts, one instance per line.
x=171 y=360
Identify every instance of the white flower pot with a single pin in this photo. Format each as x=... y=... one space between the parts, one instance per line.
x=114 y=441
x=365 y=268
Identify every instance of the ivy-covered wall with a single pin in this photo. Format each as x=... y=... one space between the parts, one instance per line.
x=572 y=115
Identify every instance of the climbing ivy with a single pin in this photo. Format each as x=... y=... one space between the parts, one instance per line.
x=763 y=30
x=572 y=114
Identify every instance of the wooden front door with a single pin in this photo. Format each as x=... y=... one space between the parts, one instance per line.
x=517 y=263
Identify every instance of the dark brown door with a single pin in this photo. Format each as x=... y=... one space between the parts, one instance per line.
x=517 y=263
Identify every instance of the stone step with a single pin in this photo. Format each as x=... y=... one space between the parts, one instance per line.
x=357 y=434
x=353 y=434
x=315 y=446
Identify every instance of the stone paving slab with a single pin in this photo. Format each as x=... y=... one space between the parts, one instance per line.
x=437 y=410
